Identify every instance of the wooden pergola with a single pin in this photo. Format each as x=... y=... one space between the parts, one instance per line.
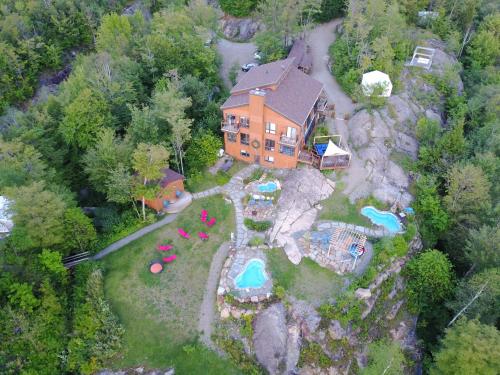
x=341 y=243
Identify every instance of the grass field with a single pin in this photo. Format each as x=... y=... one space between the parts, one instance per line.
x=206 y=180
x=338 y=208
x=160 y=312
x=307 y=281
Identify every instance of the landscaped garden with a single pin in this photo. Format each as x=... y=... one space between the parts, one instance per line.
x=307 y=281
x=338 y=208
x=160 y=312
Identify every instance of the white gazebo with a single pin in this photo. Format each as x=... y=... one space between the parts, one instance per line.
x=374 y=80
x=6 y=222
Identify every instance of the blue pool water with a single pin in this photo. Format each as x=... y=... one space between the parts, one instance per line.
x=253 y=276
x=384 y=218
x=268 y=187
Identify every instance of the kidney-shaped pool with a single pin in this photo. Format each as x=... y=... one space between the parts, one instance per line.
x=252 y=276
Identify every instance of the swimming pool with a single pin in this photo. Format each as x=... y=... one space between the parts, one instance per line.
x=253 y=276
x=383 y=218
x=268 y=187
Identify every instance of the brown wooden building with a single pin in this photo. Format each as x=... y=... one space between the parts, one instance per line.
x=171 y=190
x=271 y=113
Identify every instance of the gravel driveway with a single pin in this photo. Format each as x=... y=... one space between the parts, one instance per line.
x=231 y=53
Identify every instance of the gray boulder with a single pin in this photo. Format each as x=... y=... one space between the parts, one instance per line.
x=277 y=346
x=239 y=29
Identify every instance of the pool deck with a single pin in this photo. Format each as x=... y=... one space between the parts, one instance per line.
x=234 y=266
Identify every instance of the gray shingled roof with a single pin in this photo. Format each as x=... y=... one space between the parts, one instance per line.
x=294 y=98
x=263 y=75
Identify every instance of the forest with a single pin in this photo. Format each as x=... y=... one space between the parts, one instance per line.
x=144 y=93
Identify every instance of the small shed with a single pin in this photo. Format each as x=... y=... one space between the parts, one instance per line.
x=171 y=190
x=6 y=223
x=302 y=56
x=376 y=80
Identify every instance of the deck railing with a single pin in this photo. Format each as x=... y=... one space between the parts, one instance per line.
x=231 y=127
x=288 y=141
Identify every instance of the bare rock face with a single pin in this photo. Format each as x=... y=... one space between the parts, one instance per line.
x=277 y=345
x=239 y=29
x=380 y=136
x=302 y=189
x=306 y=316
x=336 y=331
x=363 y=293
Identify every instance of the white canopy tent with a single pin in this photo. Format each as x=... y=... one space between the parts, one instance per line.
x=375 y=79
x=333 y=150
x=6 y=223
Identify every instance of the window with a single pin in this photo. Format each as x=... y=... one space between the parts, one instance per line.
x=244 y=139
x=231 y=137
x=269 y=159
x=244 y=122
x=269 y=146
x=231 y=119
x=270 y=128
x=245 y=153
x=290 y=151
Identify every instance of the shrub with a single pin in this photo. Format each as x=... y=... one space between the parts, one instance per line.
x=279 y=291
x=233 y=73
x=238 y=356
x=238 y=8
x=256 y=174
x=259 y=226
x=222 y=178
x=311 y=353
x=247 y=327
x=256 y=241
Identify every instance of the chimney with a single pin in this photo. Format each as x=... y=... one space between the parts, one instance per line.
x=256 y=107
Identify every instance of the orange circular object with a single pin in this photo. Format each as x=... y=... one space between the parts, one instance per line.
x=156 y=268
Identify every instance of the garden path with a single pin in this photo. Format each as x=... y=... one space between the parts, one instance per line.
x=134 y=236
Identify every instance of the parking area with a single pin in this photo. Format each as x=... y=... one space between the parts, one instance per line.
x=232 y=52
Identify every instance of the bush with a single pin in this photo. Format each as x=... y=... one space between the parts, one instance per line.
x=238 y=8
x=312 y=354
x=256 y=174
x=233 y=73
x=246 y=329
x=256 y=241
x=222 y=178
x=238 y=356
x=259 y=226
x=279 y=291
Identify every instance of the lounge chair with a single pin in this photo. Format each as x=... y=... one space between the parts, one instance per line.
x=211 y=222
x=203 y=236
x=183 y=233
x=164 y=247
x=170 y=259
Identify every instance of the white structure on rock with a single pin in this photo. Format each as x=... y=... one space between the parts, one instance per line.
x=376 y=80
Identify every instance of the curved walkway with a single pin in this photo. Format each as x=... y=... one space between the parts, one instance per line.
x=134 y=236
x=207 y=315
x=369 y=232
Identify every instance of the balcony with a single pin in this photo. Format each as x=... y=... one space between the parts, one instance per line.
x=288 y=141
x=230 y=127
x=321 y=105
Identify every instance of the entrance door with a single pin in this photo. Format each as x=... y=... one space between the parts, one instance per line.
x=257 y=159
x=291 y=132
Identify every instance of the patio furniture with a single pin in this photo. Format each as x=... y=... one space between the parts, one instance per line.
x=170 y=258
x=211 y=222
x=183 y=233
x=203 y=236
x=164 y=247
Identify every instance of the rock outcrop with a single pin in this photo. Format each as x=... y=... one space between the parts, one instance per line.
x=303 y=188
x=239 y=29
x=277 y=345
x=377 y=137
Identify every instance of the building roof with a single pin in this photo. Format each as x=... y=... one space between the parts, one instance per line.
x=170 y=176
x=299 y=52
x=263 y=76
x=294 y=97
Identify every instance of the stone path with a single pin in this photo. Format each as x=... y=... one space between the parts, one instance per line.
x=208 y=193
x=134 y=236
x=234 y=189
x=207 y=315
x=369 y=232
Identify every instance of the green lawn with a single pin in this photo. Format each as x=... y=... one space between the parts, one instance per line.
x=338 y=208
x=160 y=312
x=307 y=281
x=206 y=180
